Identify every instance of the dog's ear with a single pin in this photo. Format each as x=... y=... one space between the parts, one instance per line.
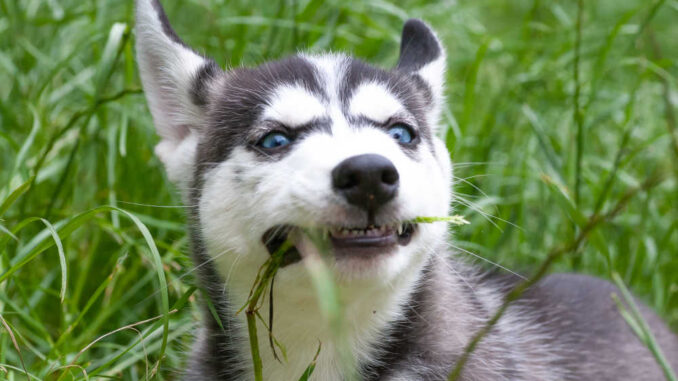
x=422 y=54
x=177 y=82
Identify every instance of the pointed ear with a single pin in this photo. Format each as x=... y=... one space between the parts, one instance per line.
x=177 y=83
x=422 y=54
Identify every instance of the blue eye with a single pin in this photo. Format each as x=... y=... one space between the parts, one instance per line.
x=275 y=140
x=402 y=133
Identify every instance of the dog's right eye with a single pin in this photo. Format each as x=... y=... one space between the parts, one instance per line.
x=274 y=140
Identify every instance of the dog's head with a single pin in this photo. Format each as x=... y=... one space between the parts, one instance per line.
x=311 y=143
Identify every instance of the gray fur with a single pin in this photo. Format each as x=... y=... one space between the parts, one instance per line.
x=567 y=327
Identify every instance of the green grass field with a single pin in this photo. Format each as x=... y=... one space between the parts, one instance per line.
x=555 y=114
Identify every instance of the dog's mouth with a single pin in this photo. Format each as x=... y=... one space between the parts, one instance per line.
x=367 y=241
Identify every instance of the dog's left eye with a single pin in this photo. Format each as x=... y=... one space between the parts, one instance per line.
x=275 y=140
x=402 y=133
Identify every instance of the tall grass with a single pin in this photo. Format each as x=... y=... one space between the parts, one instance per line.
x=94 y=276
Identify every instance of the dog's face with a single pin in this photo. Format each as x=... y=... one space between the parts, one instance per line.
x=309 y=146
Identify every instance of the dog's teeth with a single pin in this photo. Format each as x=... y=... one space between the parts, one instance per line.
x=370 y=231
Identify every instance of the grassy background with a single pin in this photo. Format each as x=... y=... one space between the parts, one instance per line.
x=75 y=128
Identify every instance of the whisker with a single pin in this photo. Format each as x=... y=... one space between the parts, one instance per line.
x=487 y=260
x=487 y=216
x=156 y=206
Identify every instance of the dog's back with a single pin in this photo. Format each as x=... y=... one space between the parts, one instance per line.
x=566 y=327
x=580 y=314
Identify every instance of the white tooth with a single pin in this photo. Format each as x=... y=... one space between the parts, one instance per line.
x=400 y=229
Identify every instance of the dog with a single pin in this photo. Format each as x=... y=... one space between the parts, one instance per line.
x=328 y=143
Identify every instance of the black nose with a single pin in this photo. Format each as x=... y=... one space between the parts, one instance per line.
x=367 y=181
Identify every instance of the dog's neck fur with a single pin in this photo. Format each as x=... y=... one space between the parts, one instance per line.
x=370 y=310
x=395 y=334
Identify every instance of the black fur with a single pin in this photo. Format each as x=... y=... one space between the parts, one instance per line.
x=166 y=26
x=418 y=46
x=200 y=89
x=216 y=355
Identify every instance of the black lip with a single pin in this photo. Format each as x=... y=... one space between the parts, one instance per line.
x=384 y=241
x=274 y=238
x=360 y=246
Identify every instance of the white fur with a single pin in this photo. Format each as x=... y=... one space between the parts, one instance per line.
x=433 y=74
x=374 y=101
x=167 y=69
x=293 y=106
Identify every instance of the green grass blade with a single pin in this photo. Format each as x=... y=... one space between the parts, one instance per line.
x=62 y=257
x=114 y=45
x=311 y=367
x=456 y=220
x=28 y=143
x=76 y=222
x=640 y=326
x=56 y=240
x=18 y=192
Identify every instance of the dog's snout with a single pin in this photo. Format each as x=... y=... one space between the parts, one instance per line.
x=367 y=181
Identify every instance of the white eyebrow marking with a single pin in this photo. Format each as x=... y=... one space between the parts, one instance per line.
x=374 y=101
x=293 y=105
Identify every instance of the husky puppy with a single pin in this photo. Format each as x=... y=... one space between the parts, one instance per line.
x=329 y=143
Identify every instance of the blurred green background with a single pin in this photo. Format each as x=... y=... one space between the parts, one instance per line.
x=537 y=148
